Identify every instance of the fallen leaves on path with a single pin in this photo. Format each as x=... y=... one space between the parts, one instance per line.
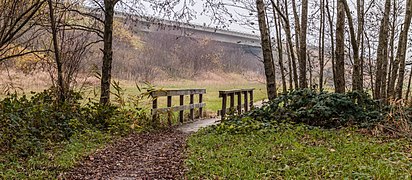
x=158 y=155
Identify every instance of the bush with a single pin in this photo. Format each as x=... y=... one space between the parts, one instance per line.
x=29 y=125
x=323 y=109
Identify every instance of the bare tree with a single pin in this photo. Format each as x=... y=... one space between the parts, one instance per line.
x=60 y=84
x=381 y=56
x=356 y=77
x=402 y=48
x=17 y=18
x=399 y=62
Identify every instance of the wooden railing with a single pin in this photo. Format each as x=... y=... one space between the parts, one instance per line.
x=247 y=102
x=169 y=109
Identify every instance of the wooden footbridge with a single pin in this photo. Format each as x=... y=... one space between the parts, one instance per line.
x=196 y=120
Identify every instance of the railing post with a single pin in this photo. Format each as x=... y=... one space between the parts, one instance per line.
x=169 y=114
x=246 y=101
x=223 y=112
x=200 y=102
x=239 y=103
x=154 y=107
x=232 y=101
x=192 y=117
x=181 y=113
x=251 y=99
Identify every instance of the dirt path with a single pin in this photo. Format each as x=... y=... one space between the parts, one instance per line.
x=156 y=155
x=139 y=156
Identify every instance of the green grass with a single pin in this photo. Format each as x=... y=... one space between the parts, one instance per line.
x=297 y=152
x=58 y=158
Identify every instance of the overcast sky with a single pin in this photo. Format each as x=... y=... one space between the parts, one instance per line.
x=206 y=19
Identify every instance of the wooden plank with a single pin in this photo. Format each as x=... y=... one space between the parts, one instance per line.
x=177 y=92
x=181 y=113
x=233 y=91
x=179 y=108
x=192 y=112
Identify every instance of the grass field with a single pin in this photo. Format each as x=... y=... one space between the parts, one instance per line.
x=298 y=152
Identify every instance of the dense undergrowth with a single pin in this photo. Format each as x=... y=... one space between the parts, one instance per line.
x=40 y=138
x=306 y=134
x=321 y=109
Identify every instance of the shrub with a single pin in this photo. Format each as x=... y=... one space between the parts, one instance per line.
x=29 y=125
x=323 y=109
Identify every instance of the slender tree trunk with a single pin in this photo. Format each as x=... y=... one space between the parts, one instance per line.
x=360 y=38
x=287 y=28
x=382 y=45
x=57 y=59
x=321 y=44
x=332 y=42
x=340 y=48
x=267 y=51
x=290 y=69
x=356 y=79
x=278 y=32
x=408 y=90
x=297 y=26
x=370 y=62
x=392 y=51
x=107 y=51
x=402 y=54
x=302 y=37
x=310 y=72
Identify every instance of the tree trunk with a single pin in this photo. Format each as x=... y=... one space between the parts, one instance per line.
x=302 y=37
x=267 y=51
x=297 y=25
x=382 y=45
x=286 y=27
x=360 y=38
x=402 y=50
x=408 y=90
x=321 y=44
x=278 y=29
x=370 y=62
x=332 y=42
x=340 y=48
x=385 y=94
x=57 y=59
x=107 y=51
x=290 y=69
x=356 y=79
x=310 y=72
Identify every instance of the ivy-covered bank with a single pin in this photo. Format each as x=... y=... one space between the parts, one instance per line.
x=306 y=134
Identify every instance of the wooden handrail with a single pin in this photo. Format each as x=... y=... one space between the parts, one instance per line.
x=246 y=106
x=169 y=109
